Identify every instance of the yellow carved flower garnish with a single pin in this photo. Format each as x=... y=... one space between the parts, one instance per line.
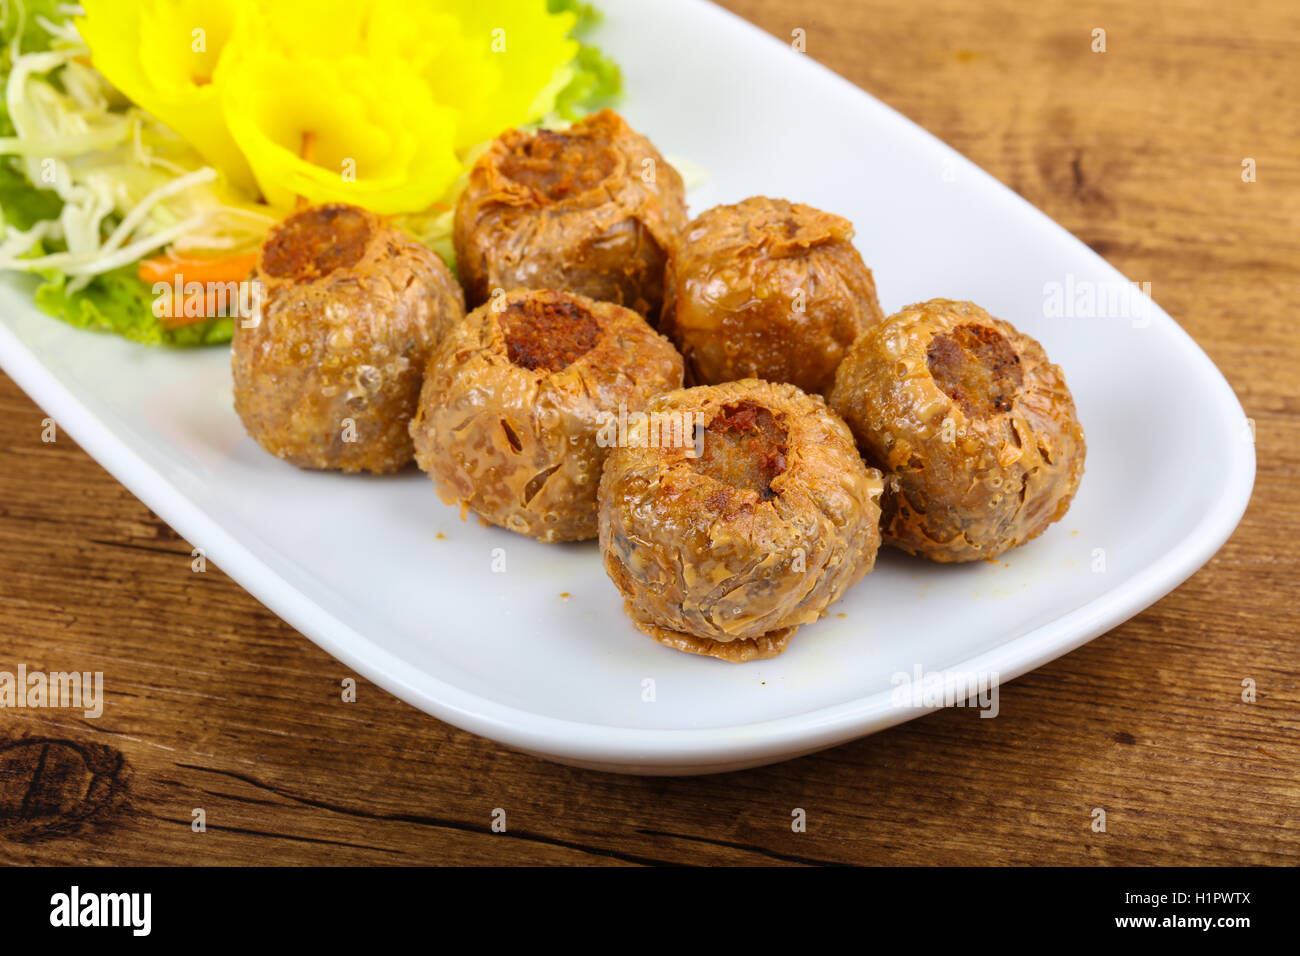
x=373 y=103
x=349 y=129
x=163 y=55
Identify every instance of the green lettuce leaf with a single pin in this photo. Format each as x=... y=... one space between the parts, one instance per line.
x=22 y=204
x=588 y=15
x=119 y=301
x=597 y=81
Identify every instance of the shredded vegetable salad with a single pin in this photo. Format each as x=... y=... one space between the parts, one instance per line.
x=121 y=168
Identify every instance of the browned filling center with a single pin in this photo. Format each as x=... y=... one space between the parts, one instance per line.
x=313 y=243
x=548 y=333
x=744 y=447
x=976 y=367
x=559 y=165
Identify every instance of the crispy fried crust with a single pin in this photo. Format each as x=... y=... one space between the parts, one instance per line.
x=737 y=651
x=767 y=289
x=351 y=309
x=593 y=209
x=712 y=567
x=510 y=416
x=973 y=426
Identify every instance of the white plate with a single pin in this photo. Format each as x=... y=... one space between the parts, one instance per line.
x=356 y=565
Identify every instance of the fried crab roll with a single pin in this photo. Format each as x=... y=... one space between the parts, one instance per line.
x=767 y=289
x=974 y=428
x=327 y=375
x=523 y=400
x=724 y=547
x=592 y=209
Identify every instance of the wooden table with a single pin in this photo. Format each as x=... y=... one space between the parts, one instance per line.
x=220 y=706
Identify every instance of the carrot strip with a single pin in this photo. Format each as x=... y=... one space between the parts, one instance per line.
x=170 y=270
x=166 y=268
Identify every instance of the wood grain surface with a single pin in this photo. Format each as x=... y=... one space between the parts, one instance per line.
x=218 y=705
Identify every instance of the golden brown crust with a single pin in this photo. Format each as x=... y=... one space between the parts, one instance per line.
x=982 y=451
x=592 y=209
x=328 y=376
x=704 y=564
x=767 y=289
x=522 y=446
x=736 y=651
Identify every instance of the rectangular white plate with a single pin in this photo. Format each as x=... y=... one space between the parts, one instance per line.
x=356 y=565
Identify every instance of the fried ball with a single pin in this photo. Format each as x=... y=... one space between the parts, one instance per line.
x=328 y=375
x=974 y=428
x=724 y=546
x=592 y=209
x=767 y=289
x=522 y=401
